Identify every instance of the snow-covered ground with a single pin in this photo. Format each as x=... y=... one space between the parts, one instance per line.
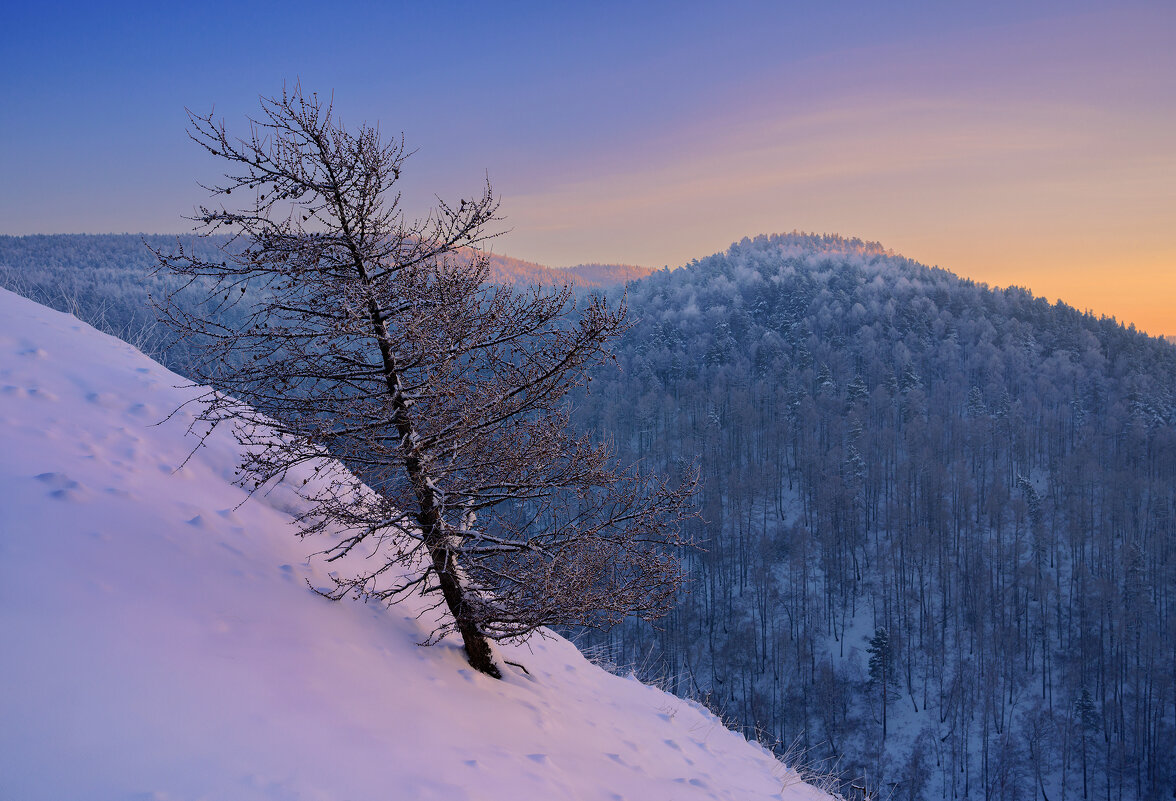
x=158 y=639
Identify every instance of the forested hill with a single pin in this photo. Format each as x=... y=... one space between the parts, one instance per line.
x=940 y=537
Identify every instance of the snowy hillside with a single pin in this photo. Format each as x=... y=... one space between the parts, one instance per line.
x=160 y=642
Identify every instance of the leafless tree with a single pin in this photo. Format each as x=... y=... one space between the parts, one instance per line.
x=377 y=343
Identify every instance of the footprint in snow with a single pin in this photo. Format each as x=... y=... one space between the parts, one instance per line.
x=287 y=572
x=624 y=763
x=61 y=486
x=39 y=394
x=104 y=399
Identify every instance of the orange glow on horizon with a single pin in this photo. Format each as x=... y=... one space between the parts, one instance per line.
x=1058 y=198
x=1135 y=289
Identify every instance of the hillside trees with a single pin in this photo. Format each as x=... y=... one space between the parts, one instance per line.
x=376 y=342
x=881 y=669
x=1009 y=516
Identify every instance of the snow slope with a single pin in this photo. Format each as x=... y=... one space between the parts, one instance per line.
x=158 y=640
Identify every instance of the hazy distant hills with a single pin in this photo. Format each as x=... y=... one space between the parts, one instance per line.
x=506 y=270
x=41 y=254
x=104 y=279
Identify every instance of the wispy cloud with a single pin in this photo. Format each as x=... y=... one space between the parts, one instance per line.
x=1006 y=163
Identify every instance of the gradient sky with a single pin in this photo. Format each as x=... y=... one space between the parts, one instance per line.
x=1028 y=143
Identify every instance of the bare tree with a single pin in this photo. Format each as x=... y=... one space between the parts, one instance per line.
x=375 y=342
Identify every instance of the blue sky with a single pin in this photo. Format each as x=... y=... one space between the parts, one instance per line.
x=1027 y=143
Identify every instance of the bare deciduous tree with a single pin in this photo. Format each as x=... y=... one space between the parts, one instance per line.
x=374 y=342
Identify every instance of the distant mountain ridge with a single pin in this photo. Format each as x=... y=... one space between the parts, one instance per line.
x=38 y=253
x=105 y=279
x=508 y=270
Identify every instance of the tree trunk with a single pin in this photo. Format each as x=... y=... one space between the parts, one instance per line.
x=433 y=526
x=477 y=646
x=430 y=517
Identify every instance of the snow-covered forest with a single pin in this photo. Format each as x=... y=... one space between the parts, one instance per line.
x=937 y=552
x=979 y=482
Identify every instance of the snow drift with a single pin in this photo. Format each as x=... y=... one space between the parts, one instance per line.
x=160 y=641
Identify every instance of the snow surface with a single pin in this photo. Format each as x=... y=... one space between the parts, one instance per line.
x=158 y=640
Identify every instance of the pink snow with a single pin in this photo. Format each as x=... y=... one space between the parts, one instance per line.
x=159 y=640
